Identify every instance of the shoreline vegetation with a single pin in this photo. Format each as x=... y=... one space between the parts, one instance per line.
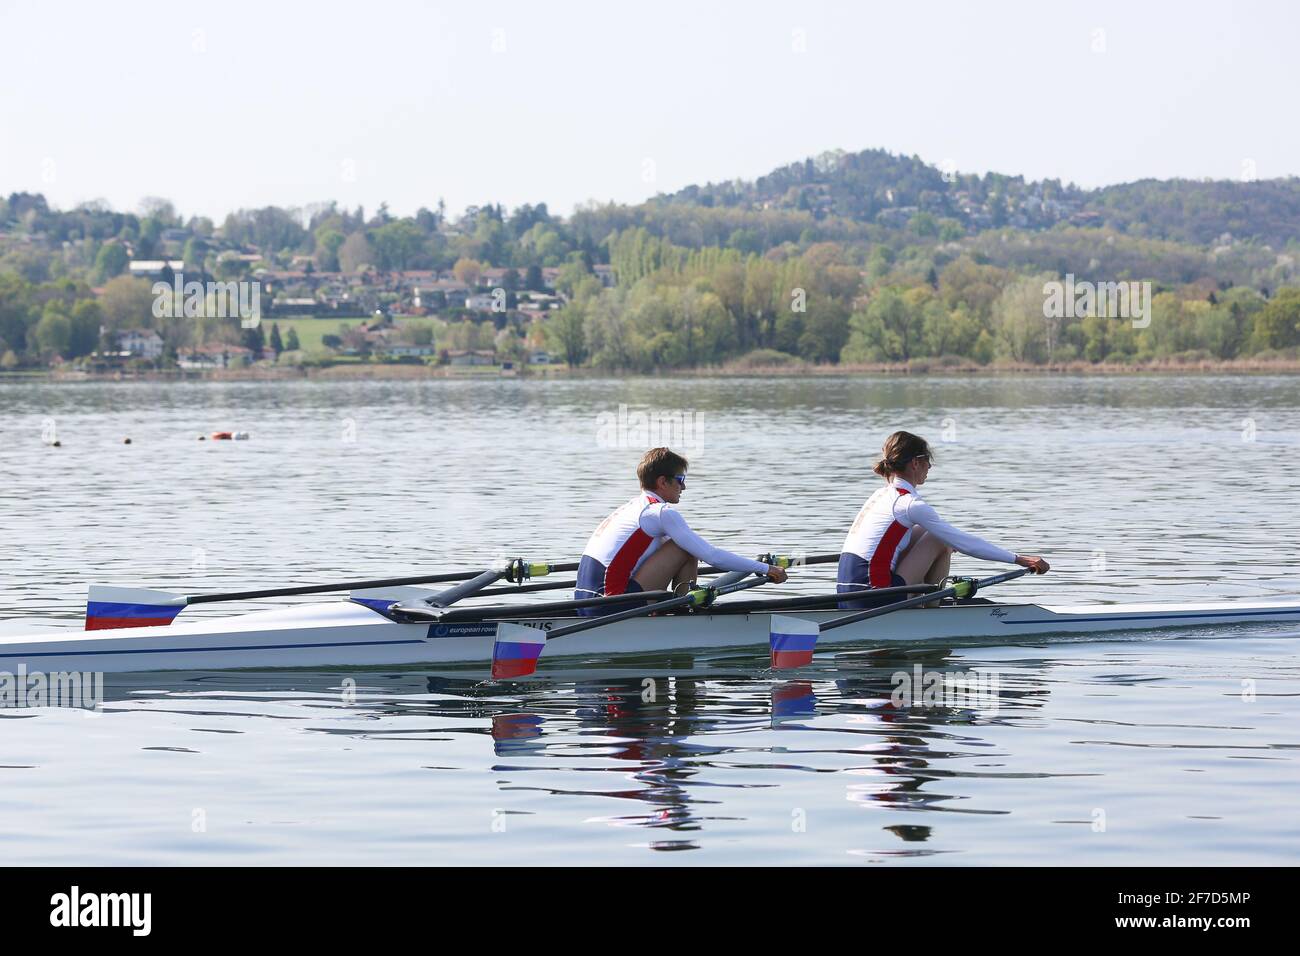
x=949 y=366
x=842 y=264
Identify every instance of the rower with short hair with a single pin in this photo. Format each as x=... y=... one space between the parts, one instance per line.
x=646 y=545
x=897 y=539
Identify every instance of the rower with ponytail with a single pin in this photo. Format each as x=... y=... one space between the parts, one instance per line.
x=897 y=539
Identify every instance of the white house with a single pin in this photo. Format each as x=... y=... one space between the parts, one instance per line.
x=472 y=357
x=153 y=268
x=417 y=351
x=481 y=301
x=215 y=355
x=141 y=343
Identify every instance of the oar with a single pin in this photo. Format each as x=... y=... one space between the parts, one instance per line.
x=794 y=639
x=412 y=613
x=808 y=602
x=110 y=607
x=780 y=560
x=517 y=646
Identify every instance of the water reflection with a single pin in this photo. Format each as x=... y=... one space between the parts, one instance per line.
x=669 y=747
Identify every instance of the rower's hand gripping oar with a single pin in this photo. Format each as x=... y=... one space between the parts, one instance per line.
x=518 y=647
x=108 y=606
x=793 y=639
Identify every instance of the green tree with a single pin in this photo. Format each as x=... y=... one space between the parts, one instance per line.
x=127 y=303
x=53 y=332
x=291 y=342
x=355 y=253
x=825 y=330
x=196 y=251
x=277 y=344
x=254 y=339
x=87 y=317
x=395 y=243
x=1019 y=320
x=1277 y=324
x=328 y=243
x=884 y=332
x=111 y=261
x=467 y=271
x=567 y=332
x=17 y=312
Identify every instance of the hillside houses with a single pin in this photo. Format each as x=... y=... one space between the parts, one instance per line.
x=214 y=356
x=412 y=292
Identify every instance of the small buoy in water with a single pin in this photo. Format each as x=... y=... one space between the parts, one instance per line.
x=241 y=436
x=203 y=438
x=126 y=441
x=56 y=444
x=222 y=436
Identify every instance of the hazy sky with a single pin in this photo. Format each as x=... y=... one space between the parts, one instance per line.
x=218 y=106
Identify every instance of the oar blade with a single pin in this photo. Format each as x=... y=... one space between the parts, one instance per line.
x=793 y=640
x=111 y=607
x=516 y=650
x=381 y=599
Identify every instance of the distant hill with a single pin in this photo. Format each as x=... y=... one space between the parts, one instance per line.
x=877 y=187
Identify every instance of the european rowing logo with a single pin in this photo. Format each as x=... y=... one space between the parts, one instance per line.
x=476 y=629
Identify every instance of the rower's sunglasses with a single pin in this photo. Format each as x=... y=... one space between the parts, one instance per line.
x=681 y=480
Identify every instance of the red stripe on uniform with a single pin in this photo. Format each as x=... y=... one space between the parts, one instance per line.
x=881 y=569
x=629 y=553
x=619 y=571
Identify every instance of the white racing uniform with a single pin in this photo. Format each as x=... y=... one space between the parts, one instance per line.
x=636 y=530
x=883 y=529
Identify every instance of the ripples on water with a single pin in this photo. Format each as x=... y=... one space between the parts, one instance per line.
x=1170 y=747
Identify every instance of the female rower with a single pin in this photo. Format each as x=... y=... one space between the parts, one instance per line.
x=897 y=539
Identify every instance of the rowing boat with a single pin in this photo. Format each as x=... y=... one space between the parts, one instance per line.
x=351 y=634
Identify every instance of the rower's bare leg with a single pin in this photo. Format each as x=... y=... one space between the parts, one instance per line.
x=926 y=560
x=671 y=566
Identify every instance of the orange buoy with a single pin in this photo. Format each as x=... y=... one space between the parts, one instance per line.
x=222 y=436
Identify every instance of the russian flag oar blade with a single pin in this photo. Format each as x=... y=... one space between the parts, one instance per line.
x=110 y=607
x=516 y=650
x=793 y=641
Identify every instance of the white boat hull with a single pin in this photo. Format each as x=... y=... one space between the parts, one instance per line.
x=344 y=634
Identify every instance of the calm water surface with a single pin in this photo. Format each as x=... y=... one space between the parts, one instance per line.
x=1169 y=747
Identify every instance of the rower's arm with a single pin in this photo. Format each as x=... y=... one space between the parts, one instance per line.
x=660 y=521
x=924 y=515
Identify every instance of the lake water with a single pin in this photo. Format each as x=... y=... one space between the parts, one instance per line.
x=1170 y=747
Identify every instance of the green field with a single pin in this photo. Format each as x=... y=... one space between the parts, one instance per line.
x=310 y=331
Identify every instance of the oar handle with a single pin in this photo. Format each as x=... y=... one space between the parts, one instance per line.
x=793 y=560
